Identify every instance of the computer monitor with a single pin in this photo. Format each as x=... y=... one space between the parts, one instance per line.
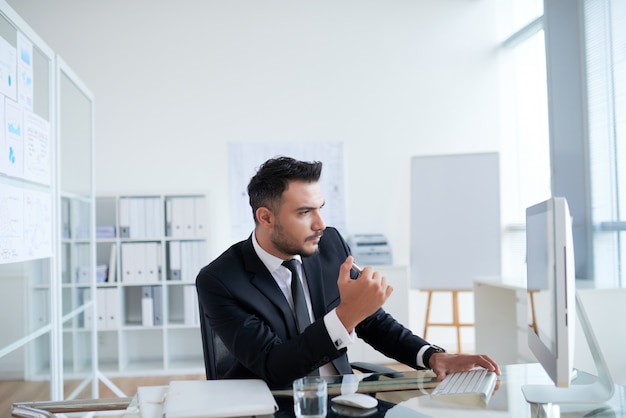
x=551 y=275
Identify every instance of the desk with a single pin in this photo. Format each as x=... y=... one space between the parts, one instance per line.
x=407 y=397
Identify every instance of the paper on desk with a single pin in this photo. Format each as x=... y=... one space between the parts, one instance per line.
x=218 y=398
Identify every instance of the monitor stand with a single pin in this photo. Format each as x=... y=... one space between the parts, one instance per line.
x=598 y=390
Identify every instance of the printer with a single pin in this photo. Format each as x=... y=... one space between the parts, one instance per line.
x=370 y=249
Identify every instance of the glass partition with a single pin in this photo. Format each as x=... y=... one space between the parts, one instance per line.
x=47 y=273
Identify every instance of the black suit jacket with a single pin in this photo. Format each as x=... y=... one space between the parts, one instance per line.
x=246 y=308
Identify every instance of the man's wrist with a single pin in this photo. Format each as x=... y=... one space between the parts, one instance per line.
x=433 y=349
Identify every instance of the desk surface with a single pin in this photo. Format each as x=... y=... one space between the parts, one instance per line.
x=407 y=397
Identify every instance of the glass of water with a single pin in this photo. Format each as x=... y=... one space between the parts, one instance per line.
x=310 y=397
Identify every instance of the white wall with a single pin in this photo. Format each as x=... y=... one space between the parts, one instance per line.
x=175 y=81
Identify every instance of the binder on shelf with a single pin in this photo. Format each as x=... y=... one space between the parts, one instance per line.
x=157 y=299
x=200 y=216
x=65 y=219
x=152 y=261
x=88 y=314
x=174 y=260
x=137 y=217
x=168 y=217
x=102 y=308
x=124 y=217
x=188 y=217
x=177 y=216
x=154 y=218
x=113 y=310
x=147 y=306
x=112 y=265
x=128 y=263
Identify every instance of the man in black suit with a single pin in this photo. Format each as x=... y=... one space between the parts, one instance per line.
x=247 y=297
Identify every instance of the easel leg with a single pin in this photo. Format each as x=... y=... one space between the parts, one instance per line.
x=456 y=321
x=455 y=318
x=427 y=321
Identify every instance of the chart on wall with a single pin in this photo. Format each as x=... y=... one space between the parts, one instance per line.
x=245 y=159
x=455 y=220
x=25 y=159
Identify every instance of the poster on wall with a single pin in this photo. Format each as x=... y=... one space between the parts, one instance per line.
x=25 y=224
x=25 y=88
x=245 y=159
x=13 y=152
x=11 y=224
x=8 y=70
x=36 y=148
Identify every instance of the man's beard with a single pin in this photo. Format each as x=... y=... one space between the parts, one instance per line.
x=284 y=244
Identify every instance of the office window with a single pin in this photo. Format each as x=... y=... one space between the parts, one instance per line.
x=605 y=40
x=525 y=151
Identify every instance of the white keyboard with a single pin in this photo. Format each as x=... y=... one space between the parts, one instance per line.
x=472 y=387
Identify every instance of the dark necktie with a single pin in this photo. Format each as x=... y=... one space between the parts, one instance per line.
x=297 y=292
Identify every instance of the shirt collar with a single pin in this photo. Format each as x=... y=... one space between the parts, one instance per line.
x=271 y=262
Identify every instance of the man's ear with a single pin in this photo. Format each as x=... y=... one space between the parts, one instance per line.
x=265 y=217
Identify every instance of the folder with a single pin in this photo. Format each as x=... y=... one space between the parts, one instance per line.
x=128 y=259
x=157 y=301
x=218 y=398
x=137 y=217
x=101 y=308
x=168 y=217
x=200 y=217
x=151 y=259
x=124 y=217
x=189 y=217
x=113 y=311
x=147 y=306
x=112 y=266
x=174 y=260
x=177 y=217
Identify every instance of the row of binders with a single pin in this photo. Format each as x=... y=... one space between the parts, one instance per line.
x=75 y=219
x=140 y=217
x=76 y=264
x=185 y=217
x=141 y=262
x=109 y=311
x=186 y=258
x=151 y=306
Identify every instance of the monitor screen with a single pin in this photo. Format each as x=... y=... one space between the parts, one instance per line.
x=550 y=274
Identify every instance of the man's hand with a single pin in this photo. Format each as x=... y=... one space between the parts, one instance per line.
x=444 y=363
x=360 y=297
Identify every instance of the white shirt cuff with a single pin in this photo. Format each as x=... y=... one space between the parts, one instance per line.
x=337 y=332
x=420 y=356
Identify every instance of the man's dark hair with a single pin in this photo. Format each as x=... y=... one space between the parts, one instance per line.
x=270 y=181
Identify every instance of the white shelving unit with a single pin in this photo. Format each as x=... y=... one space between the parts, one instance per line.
x=149 y=250
x=76 y=283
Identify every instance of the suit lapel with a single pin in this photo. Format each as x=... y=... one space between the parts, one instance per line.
x=263 y=280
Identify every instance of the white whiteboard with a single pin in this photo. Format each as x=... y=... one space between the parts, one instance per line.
x=455 y=220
